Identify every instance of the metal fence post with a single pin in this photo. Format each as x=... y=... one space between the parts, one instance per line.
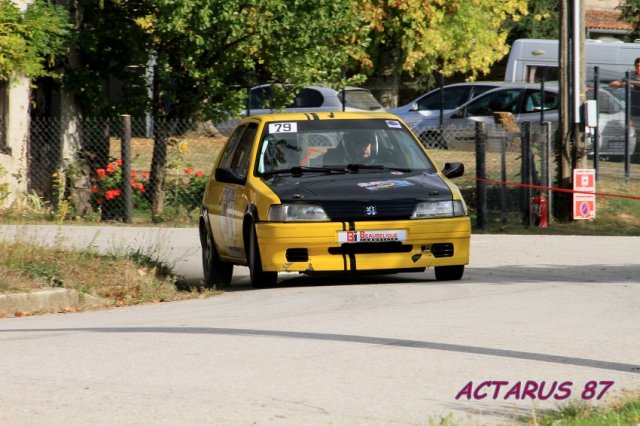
x=127 y=192
x=596 y=136
x=547 y=176
x=627 y=124
x=503 y=176
x=481 y=174
x=526 y=173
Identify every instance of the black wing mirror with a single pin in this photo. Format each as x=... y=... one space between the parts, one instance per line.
x=453 y=170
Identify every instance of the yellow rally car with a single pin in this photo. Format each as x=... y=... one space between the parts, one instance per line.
x=328 y=192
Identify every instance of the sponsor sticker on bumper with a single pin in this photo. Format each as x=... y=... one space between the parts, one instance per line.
x=372 y=236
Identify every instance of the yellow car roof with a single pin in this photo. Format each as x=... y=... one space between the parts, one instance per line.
x=334 y=115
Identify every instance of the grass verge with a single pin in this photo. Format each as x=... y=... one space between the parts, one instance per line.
x=124 y=279
x=622 y=411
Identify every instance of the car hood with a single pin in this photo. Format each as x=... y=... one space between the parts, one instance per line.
x=350 y=196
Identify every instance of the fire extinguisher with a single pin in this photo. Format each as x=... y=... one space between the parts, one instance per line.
x=539 y=210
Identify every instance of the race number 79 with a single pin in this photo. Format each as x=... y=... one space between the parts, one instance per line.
x=283 y=127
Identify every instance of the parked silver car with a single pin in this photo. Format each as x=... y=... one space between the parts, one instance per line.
x=316 y=98
x=429 y=103
x=526 y=102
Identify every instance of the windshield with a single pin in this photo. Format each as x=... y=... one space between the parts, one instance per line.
x=376 y=144
x=360 y=99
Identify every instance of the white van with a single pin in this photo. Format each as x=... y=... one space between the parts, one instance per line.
x=532 y=59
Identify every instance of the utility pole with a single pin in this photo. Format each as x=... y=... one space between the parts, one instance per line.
x=570 y=152
x=562 y=200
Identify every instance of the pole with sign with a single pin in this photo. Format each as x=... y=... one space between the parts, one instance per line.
x=584 y=199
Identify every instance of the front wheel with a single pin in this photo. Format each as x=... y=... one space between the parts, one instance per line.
x=449 y=273
x=259 y=278
x=217 y=274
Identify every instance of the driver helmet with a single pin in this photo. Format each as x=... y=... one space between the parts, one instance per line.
x=361 y=146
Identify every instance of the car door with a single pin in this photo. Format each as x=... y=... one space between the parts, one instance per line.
x=230 y=198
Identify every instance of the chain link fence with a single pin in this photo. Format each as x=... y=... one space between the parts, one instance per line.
x=108 y=170
x=500 y=160
x=116 y=170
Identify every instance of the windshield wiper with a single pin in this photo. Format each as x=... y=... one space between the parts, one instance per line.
x=300 y=170
x=356 y=167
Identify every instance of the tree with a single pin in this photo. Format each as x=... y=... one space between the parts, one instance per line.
x=33 y=40
x=541 y=21
x=444 y=36
x=630 y=12
x=207 y=53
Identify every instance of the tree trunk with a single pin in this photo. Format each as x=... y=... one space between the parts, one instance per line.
x=563 y=201
x=385 y=86
x=158 y=170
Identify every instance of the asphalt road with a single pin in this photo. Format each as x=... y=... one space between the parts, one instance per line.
x=534 y=318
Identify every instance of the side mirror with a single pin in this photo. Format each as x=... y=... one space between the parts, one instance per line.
x=414 y=107
x=453 y=170
x=227 y=176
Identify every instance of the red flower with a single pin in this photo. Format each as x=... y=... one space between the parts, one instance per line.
x=100 y=200
x=145 y=175
x=198 y=173
x=188 y=171
x=134 y=175
x=119 y=162
x=95 y=189
x=110 y=168
x=101 y=173
x=112 y=194
x=140 y=187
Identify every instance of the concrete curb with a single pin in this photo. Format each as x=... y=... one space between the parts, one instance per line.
x=48 y=300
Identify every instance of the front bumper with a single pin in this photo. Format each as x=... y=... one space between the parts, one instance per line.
x=314 y=247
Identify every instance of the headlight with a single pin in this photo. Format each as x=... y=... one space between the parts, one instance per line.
x=438 y=209
x=297 y=213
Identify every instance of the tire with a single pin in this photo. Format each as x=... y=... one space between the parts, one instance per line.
x=449 y=273
x=259 y=278
x=217 y=274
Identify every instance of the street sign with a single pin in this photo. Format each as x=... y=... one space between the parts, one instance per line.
x=584 y=204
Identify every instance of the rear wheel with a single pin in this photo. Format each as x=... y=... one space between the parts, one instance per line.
x=449 y=273
x=259 y=277
x=217 y=274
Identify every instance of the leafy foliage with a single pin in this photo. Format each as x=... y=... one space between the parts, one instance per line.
x=206 y=53
x=540 y=22
x=32 y=41
x=448 y=36
x=630 y=12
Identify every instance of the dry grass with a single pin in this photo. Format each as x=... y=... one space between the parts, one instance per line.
x=124 y=279
x=193 y=151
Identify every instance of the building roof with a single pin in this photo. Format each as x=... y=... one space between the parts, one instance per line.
x=605 y=20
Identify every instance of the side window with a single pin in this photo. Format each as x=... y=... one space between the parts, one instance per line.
x=259 y=97
x=453 y=98
x=503 y=100
x=535 y=101
x=308 y=98
x=4 y=87
x=227 y=154
x=535 y=73
x=242 y=155
x=479 y=90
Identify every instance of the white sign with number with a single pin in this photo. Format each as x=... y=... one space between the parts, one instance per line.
x=283 y=127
